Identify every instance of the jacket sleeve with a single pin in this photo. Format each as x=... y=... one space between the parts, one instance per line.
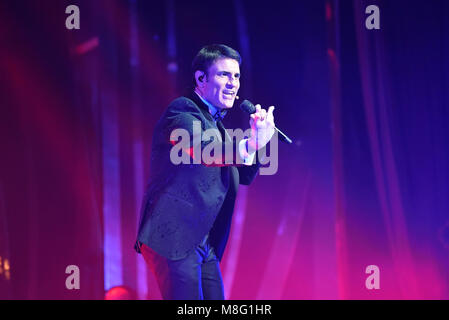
x=248 y=173
x=184 y=125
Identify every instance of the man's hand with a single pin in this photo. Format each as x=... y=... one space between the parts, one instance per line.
x=262 y=128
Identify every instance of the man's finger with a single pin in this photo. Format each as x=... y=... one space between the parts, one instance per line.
x=263 y=114
x=270 y=114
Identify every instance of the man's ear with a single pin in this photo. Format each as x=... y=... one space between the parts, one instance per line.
x=200 y=78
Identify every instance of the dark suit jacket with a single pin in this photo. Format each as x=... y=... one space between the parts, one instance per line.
x=184 y=202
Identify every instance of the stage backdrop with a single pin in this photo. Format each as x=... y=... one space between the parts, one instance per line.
x=366 y=181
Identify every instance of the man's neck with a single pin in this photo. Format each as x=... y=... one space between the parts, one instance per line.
x=213 y=110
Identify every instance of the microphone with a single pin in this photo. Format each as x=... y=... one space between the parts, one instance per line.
x=248 y=107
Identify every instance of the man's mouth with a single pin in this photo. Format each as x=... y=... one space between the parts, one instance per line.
x=229 y=93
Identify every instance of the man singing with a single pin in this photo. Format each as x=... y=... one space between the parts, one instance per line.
x=187 y=208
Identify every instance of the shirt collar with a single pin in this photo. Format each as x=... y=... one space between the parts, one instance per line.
x=217 y=114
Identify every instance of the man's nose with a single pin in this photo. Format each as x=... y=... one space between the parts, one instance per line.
x=232 y=82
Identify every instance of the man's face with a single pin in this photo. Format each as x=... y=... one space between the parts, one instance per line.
x=222 y=83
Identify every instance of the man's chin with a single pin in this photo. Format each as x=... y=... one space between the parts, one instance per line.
x=228 y=105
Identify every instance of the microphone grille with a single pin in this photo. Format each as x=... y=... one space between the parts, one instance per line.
x=248 y=107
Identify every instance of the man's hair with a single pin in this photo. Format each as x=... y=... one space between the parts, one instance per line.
x=208 y=55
